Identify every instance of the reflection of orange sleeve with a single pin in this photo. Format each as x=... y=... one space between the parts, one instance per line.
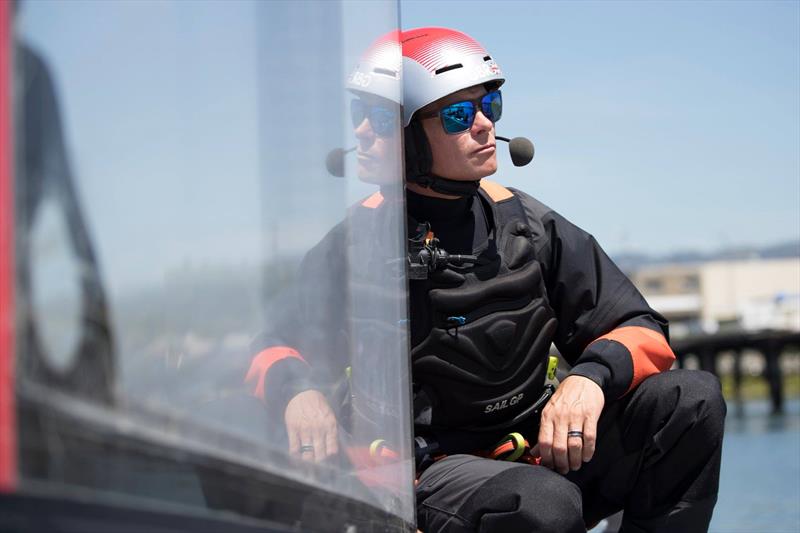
x=650 y=351
x=373 y=201
x=261 y=364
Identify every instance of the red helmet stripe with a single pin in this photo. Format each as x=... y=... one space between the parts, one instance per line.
x=384 y=51
x=435 y=48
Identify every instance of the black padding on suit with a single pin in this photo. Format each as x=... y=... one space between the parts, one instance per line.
x=493 y=365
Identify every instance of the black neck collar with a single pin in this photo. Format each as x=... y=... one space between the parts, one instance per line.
x=433 y=209
x=447 y=186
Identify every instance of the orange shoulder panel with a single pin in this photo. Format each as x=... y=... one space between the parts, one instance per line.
x=649 y=350
x=496 y=192
x=261 y=364
x=373 y=201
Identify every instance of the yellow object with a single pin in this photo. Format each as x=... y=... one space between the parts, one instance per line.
x=552 y=365
x=519 y=445
x=375 y=447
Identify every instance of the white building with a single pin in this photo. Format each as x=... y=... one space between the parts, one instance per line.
x=749 y=294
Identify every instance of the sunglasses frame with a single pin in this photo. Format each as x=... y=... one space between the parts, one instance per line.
x=477 y=104
x=367 y=111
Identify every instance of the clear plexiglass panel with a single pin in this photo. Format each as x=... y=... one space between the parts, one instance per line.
x=211 y=269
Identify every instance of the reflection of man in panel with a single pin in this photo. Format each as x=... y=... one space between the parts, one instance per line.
x=620 y=432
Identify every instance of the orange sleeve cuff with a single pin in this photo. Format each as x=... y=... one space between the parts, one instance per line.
x=650 y=351
x=261 y=364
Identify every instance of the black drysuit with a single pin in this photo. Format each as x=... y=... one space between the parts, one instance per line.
x=480 y=340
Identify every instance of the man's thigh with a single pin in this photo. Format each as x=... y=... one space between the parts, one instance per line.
x=468 y=493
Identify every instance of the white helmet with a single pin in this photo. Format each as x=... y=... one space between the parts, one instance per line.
x=378 y=69
x=435 y=62
x=441 y=61
x=438 y=62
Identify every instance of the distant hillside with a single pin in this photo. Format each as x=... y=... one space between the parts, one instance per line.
x=632 y=261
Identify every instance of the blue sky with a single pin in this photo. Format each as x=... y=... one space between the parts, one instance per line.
x=658 y=125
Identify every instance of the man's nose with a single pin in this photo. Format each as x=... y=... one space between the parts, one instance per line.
x=364 y=132
x=481 y=123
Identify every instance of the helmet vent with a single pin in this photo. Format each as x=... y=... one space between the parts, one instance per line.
x=385 y=72
x=448 y=67
x=487 y=58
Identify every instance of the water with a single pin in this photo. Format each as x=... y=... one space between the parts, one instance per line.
x=760 y=479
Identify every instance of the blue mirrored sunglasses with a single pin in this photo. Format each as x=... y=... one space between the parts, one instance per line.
x=459 y=116
x=382 y=119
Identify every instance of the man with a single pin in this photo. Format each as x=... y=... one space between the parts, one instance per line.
x=619 y=432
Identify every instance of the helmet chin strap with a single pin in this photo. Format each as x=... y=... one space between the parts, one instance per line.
x=419 y=161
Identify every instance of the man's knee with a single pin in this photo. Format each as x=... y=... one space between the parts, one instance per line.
x=528 y=498
x=695 y=389
x=466 y=493
x=692 y=396
x=708 y=393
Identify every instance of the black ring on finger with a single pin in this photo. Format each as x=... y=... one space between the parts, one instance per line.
x=575 y=433
x=306 y=448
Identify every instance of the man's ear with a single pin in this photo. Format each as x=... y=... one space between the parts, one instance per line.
x=419 y=159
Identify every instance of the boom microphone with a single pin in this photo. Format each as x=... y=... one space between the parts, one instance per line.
x=520 y=148
x=334 y=162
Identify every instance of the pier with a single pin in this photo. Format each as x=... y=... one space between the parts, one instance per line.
x=769 y=343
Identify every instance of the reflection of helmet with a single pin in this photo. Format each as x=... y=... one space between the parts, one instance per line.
x=440 y=61
x=378 y=69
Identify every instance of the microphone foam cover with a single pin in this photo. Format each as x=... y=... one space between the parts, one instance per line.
x=521 y=150
x=334 y=162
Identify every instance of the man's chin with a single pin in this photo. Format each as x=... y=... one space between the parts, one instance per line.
x=368 y=172
x=386 y=178
x=486 y=171
x=487 y=168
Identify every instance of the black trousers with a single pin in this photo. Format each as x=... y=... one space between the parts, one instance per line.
x=657 y=458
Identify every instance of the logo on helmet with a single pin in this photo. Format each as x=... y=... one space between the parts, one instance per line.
x=360 y=79
x=484 y=70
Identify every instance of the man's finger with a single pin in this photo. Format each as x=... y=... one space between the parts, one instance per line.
x=306 y=445
x=294 y=441
x=535 y=451
x=560 y=458
x=575 y=442
x=546 y=443
x=320 y=449
x=589 y=438
x=332 y=441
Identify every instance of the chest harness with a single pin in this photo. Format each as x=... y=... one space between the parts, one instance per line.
x=481 y=332
x=481 y=328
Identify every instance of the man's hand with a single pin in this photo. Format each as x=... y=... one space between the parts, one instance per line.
x=576 y=406
x=311 y=426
